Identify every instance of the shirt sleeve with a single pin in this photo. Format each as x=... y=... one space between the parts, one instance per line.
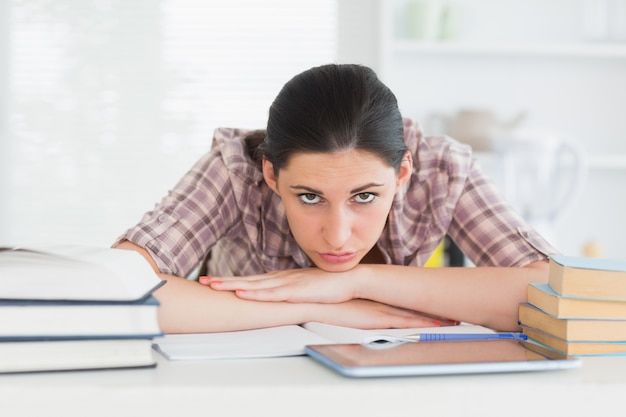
x=189 y=220
x=489 y=231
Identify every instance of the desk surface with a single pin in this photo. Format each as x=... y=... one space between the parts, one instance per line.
x=299 y=386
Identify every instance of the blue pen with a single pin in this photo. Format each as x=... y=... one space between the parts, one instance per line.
x=443 y=337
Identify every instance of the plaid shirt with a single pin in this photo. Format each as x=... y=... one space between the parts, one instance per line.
x=222 y=206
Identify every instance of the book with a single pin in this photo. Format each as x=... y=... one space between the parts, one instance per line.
x=288 y=340
x=541 y=295
x=74 y=307
x=572 y=347
x=68 y=272
x=588 y=277
x=573 y=329
x=279 y=341
x=27 y=319
x=70 y=355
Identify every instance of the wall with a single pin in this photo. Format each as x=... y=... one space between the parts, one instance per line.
x=545 y=58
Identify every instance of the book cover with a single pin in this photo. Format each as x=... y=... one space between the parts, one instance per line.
x=67 y=272
x=574 y=348
x=70 y=355
x=541 y=295
x=36 y=319
x=588 y=277
x=573 y=329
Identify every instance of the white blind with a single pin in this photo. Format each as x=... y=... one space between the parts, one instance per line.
x=109 y=102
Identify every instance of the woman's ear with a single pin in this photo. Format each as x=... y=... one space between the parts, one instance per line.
x=406 y=169
x=270 y=176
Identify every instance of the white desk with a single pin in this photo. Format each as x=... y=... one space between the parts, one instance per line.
x=297 y=386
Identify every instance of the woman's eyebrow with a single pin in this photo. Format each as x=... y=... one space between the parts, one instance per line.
x=305 y=188
x=318 y=192
x=365 y=187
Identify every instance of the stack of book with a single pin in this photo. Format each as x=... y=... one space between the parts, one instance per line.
x=582 y=308
x=70 y=308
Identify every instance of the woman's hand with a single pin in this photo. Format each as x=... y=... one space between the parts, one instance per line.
x=311 y=285
x=366 y=314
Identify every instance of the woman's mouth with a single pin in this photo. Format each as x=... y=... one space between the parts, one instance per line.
x=338 y=258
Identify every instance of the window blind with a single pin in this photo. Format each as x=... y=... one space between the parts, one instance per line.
x=109 y=102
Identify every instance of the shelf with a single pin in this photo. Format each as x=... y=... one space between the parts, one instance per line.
x=564 y=50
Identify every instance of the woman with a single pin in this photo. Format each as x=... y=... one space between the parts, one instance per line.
x=329 y=215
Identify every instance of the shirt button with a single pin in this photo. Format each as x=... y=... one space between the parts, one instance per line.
x=162 y=218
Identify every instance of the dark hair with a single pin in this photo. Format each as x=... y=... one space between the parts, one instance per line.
x=333 y=108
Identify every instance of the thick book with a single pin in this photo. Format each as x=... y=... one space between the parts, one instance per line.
x=288 y=340
x=37 y=319
x=541 y=295
x=574 y=348
x=67 y=272
x=588 y=277
x=573 y=329
x=71 y=355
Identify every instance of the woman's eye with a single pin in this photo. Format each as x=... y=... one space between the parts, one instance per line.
x=364 y=197
x=309 y=198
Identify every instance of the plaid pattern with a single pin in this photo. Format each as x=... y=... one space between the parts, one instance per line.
x=223 y=206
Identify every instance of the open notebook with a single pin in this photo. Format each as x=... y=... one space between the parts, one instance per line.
x=279 y=341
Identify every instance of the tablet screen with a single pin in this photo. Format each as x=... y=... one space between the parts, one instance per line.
x=432 y=358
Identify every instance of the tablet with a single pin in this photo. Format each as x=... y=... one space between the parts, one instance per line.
x=439 y=358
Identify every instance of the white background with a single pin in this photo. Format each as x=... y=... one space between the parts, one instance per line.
x=104 y=104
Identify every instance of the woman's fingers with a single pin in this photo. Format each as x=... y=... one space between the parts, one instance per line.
x=233 y=283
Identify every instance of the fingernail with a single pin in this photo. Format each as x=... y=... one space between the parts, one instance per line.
x=436 y=322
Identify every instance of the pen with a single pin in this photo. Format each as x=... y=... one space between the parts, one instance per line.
x=442 y=337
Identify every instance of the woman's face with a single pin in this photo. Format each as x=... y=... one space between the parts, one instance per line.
x=337 y=203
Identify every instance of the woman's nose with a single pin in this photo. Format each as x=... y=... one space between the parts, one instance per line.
x=337 y=228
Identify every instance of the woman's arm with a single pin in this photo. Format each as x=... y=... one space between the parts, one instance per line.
x=189 y=307
x=488 y=296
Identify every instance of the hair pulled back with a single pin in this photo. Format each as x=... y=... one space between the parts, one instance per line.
x=334 y=108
